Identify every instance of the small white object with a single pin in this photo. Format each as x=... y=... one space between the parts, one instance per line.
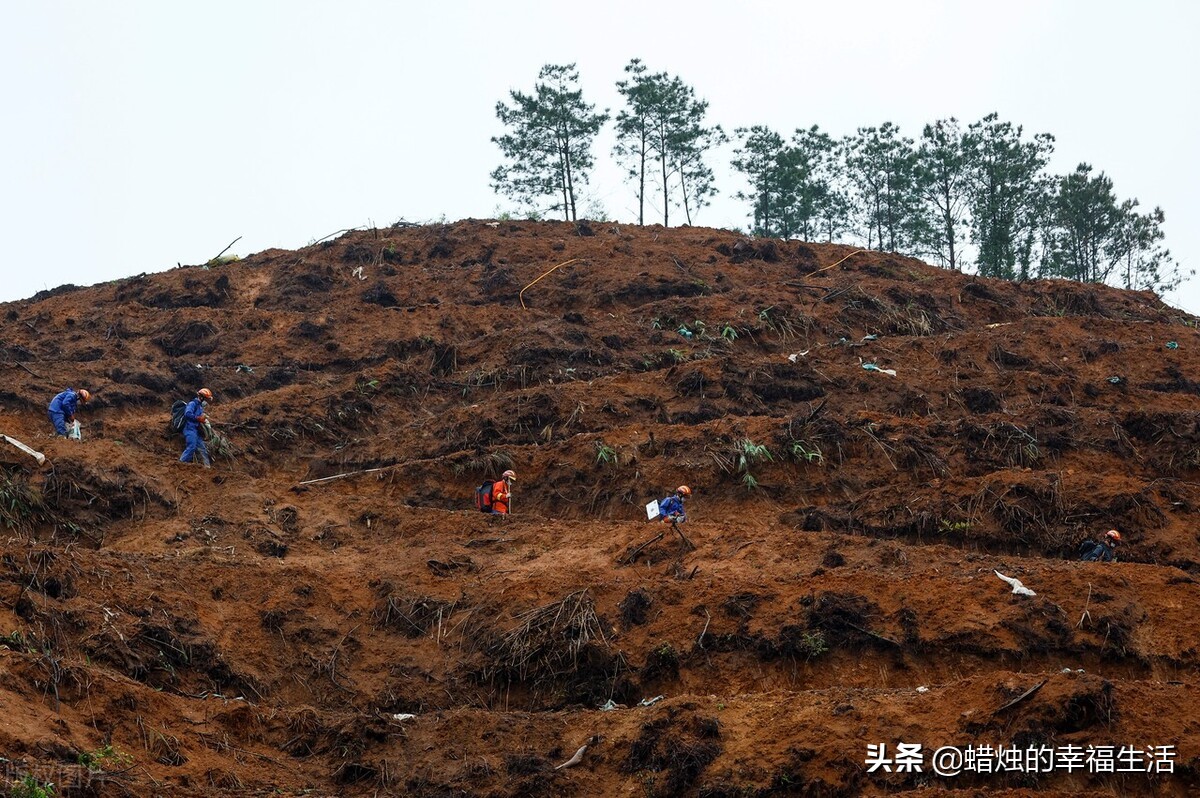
x=492 y=224
x=403 y=717
x=922 y=689
x=652 y=511
x=649 y=702
x=1017 y=586
x=75 y=432
x=609 y=706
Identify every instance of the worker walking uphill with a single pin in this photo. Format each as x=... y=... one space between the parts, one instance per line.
x=62 y=409
x=1103 y=551
x=502 y=493
x=193 y=417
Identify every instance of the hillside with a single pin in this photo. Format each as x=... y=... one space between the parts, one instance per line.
x=259 y=626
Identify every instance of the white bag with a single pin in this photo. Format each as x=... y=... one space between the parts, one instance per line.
x=652 y=511
x=75 y=432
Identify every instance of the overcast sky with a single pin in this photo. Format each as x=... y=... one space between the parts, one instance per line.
x=138 y=135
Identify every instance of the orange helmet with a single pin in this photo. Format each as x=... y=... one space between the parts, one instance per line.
x=510 y=475
x=684 y=490
x=204 y=394
x=84 y=395
x=1113 y=535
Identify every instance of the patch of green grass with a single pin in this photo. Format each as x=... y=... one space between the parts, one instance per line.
x=20 y=505
x=105 y=758
x=605 y=454
x=747 y=453
x=29 y=787
x=806 y=452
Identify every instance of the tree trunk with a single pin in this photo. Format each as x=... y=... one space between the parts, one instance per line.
x=642 y=182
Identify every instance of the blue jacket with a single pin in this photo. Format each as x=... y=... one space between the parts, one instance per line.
x=192 y=413
x=672 y=505
x=1097 y=552
x=66 y=403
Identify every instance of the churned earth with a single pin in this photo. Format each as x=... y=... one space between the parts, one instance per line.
x=868 y=440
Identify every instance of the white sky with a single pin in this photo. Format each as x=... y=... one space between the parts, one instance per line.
x=136 y=135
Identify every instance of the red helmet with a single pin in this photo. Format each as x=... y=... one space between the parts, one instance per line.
x=1113 y=535
x=684 y=490
x=204 y=394
x=84 y=395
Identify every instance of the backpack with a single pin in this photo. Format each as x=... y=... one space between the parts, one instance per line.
x=483 y=497
x=177 y=415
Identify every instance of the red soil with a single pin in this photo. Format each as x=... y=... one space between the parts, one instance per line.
x=235 y=631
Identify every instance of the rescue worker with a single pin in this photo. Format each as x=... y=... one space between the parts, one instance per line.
x=1104 y=551
x=671 y=508
x=193 y=417
x=62 y=409
x=502 y=493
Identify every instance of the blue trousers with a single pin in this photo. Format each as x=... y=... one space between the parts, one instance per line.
x=195 y=443
x=59 y=420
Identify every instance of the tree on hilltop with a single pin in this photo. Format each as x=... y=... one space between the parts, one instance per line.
x=549 y=144
x=1093 y=238
x=1009 y=195
x=774 y=172
x=662 y=130
x=943 y=184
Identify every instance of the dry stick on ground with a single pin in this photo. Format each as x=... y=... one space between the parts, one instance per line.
x=333 y=659
x=22 y=365
x=1021 y=697
x=222 y=252
x=633 y=555
x=678 y=531
x=1086 y=604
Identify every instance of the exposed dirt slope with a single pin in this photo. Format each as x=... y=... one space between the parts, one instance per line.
x=237 y=630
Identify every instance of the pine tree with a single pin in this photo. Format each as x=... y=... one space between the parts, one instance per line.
x=663 y=123
x=1095 y=239
x=774 y=172
x=943 y=183
x=1009 y=195
x=549 y=144
x=881 y=164
x=634 y=126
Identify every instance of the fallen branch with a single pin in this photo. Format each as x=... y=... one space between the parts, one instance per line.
x=875 y=635
x=633 y=555
x=1021 y=697
x=688 y=543
x=343 y=476
x=23 y=366
x=222 y=252
x=1085 y=608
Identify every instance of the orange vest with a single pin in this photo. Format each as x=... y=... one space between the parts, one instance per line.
x=500 y=494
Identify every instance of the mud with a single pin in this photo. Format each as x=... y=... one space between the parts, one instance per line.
x=260 y=626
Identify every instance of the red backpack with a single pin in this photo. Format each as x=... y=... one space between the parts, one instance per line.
x=483 y=497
